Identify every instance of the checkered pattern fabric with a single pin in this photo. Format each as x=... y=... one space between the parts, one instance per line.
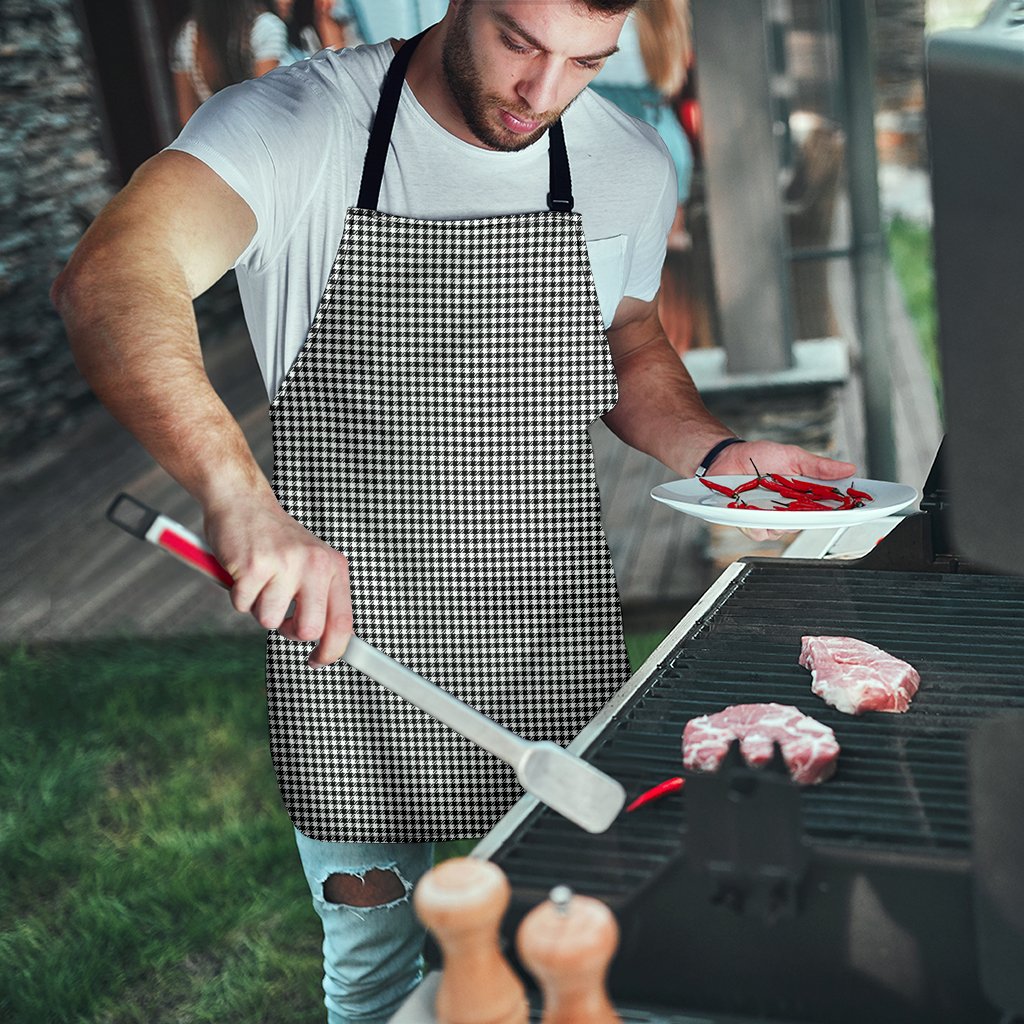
x=434 y=428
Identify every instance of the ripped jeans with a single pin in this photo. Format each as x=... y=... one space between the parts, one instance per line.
x=372 y=944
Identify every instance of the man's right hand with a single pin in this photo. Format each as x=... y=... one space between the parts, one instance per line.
x=275 y=561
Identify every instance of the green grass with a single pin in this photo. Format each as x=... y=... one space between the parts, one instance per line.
x=910 y=248
x=148 y=871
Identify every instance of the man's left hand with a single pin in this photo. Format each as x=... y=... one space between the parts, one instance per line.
x=772 y=457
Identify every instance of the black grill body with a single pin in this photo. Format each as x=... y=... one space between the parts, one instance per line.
x=747 y=896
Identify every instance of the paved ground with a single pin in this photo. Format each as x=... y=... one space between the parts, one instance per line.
x=68 y=573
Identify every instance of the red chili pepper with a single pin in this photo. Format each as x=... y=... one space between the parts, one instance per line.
x=793 y=485
x=770 y=484
x=749 y=485
x=862 y=495
x=809 y=487
x=787 y=492
x=728 y=492
x=821 y=490
x=807 y=505
x=656 y=793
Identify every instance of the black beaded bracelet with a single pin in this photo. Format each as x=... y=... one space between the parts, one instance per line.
x=705 y=463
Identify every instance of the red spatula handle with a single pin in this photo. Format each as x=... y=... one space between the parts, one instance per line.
x=146 y=523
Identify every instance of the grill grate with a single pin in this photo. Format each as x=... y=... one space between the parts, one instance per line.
x=901 y=786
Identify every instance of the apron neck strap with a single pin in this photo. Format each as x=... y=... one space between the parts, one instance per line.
x=559 y=197
x=383 y=122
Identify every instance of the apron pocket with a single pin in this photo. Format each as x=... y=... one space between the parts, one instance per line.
x=608 y=268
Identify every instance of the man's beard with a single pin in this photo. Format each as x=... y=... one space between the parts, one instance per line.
x=466 y=87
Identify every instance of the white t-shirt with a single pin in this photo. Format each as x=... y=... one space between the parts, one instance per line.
x=292 y=144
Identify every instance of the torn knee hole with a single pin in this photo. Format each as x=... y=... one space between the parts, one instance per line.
x=372 y=889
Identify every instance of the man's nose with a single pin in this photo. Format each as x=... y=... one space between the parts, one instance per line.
x=539 y=89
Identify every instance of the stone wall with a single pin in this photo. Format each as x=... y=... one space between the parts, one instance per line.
x=53 y=180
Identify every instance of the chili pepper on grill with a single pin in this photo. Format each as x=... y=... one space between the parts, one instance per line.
x=656 y=793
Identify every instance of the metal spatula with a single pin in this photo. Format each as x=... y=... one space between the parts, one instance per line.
x=567 y=784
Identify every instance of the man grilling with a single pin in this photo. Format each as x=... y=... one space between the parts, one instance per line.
x=448 y=252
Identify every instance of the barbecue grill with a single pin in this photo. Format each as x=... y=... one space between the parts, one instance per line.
x=894 y=892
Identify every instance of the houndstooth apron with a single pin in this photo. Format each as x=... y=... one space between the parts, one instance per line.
x=434 y=428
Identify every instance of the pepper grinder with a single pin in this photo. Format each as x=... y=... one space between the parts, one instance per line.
x=462 y=901
x=567 y=943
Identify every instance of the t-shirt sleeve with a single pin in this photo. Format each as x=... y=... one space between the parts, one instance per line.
x=269 y=140
x=652 y=237
x=269 y=38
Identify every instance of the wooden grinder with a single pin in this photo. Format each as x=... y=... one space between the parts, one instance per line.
x=462 y=902
x=567 y=943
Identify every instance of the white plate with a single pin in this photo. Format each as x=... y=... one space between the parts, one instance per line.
x=693 y=498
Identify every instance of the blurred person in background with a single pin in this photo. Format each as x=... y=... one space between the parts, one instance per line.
x=221 y=43
x=645 y=78
x=647 y=75
x=373 y=21
x=313 y=25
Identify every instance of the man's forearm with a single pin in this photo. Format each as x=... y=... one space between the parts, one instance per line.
x=660 y=411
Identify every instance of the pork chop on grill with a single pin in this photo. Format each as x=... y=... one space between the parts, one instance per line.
x=855 y=677
x=809 y=748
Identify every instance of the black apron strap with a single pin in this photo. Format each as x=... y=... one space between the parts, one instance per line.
x=559 y=197
x=383 y=122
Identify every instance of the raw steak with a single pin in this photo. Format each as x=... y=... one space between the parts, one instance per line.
x=855 y=677
x=809 y=748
